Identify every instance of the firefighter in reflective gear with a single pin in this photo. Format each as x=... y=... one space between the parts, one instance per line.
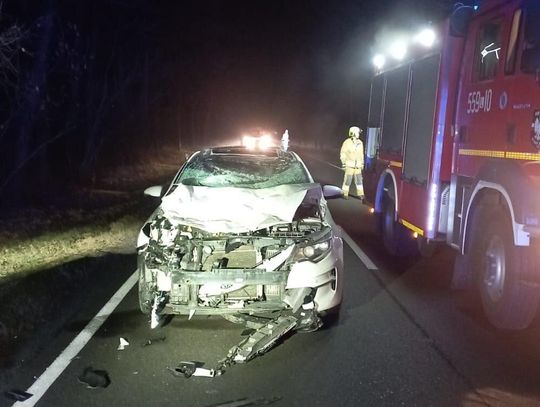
x=352 y=159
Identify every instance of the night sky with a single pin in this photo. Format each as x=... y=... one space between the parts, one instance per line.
x=299 y=64
x=90 y=83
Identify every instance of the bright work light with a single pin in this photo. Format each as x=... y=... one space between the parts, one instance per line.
x=398 y=49
x=379 y=60
x=426 y=37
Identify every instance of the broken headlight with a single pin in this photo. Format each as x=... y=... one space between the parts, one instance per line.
x=313 y=251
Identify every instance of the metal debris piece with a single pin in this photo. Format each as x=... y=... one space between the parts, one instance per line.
x=188 y=369
x=151 y=341
x=94 y=378
x=123 y=344
x=257 y=343
x=246 y=402
x=17 y=395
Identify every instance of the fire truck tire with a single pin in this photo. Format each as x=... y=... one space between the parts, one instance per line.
x=397 y=239
x=145 y=291
x=508 y=301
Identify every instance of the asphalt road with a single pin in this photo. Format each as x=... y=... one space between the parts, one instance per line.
x=403 y=338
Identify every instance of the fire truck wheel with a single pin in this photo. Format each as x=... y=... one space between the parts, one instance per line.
x=508 y=301
x=145 y=292
x=397 y=239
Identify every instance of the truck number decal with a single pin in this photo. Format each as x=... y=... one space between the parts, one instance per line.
x=478 y=102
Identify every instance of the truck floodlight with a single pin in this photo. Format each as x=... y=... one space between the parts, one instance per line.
x=426 y=37
x=379 y=60
x=398 y=49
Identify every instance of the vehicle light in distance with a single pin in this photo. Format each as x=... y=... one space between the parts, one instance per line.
x=249 y=142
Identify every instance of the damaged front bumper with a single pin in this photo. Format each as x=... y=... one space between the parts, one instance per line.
x=246 y=290
x=188 y=271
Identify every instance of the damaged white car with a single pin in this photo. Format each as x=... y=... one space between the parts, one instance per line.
x=242 y=234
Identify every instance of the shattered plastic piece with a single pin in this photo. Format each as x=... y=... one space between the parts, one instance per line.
x=246 y=402
x=94 y=378
x=257 y=343
x=202 y=372
x=309 y=321
x=296 y=296
x=123 y=344
x=184 y=368
x=153 y=340
x=188 y=369
x=157 y=306
x=250 y=321
x=17 y=395
x=247 y=331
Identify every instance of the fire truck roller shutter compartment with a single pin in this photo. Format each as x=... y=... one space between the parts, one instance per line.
x=424 y=81
x=395 y=103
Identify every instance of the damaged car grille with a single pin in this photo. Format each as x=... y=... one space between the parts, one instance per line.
x=215 y=273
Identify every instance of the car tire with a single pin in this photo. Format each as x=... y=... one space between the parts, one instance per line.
x=397 y=239
x=508 y=300
x=145 y=288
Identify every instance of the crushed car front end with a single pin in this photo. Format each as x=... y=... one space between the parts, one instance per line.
x=184 y=270
x=241 y=235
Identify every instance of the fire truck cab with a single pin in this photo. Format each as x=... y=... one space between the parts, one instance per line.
x=453 y=153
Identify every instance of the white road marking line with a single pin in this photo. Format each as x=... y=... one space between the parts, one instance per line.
x=42 y=384
x=359 y=252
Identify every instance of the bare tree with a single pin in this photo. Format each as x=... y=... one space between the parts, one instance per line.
x=10 y=40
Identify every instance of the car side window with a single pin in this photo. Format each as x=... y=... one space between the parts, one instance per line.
x=488 y=51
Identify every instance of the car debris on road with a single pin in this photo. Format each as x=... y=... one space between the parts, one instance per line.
x=152 y=341
x=17 y=395
x=123 y=344
x=188 y=369
x=94 y=378
x=256 y=343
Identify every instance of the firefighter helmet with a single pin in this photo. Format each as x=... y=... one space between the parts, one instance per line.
x=355 y=131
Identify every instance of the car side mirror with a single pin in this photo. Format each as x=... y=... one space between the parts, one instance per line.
x=154 y=191
x=332 y=192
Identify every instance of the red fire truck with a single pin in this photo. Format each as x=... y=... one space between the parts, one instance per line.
x=453 y=153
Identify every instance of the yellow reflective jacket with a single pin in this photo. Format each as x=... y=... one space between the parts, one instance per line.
x=352 y=153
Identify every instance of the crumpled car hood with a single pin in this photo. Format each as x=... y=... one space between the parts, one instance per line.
x=236 y=210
